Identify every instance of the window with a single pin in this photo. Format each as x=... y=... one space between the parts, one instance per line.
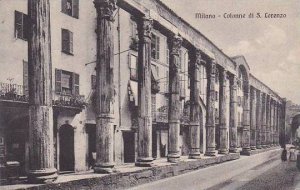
x=155 y=47
x=134 y=43
x=217 y=115
x=67 y=41
x=93 y=82
x=217 y=96
x=66 y=82
x=70 y=7
x=167 y=82
x=133 y=67
x=21 y=25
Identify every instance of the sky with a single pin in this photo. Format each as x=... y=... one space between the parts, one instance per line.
x=271 y=46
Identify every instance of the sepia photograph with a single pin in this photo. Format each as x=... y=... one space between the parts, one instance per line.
x=150 y=94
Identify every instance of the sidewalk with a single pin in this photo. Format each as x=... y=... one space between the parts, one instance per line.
x=128 y=175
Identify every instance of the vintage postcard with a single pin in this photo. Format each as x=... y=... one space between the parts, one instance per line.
x=150 y=94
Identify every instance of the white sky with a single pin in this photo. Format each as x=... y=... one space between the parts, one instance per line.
x=270 y=46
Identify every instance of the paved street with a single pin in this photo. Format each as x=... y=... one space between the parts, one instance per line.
x=261 y=171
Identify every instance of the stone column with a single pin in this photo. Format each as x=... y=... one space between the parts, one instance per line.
x=174 y=100
x=144 y=95
x=41 y=148
x=246 y=122
x=233 y=115
x=223 y=148
x=271 y=122
x=258 y=119
x=275 y=123
x=210 y=114
x=195 y=109
x=105 y=92
x=253 y=119
x=268 y=126
x=278 y=122
x=263 y=121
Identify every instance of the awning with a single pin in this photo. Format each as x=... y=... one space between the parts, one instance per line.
x=133 y=92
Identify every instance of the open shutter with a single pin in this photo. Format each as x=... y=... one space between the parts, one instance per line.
x=93 y=82
x=18 y=25
x=25 y=78
x=70 y=44
x=75 y=8
x=58 y=81
x=26 y=26
x=64 y=40
x=75 y=87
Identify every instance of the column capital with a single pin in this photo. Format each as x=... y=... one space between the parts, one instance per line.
x=176 y=44
x=147 y=24
x=105 y=8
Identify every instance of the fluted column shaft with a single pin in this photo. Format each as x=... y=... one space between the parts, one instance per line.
x=41 y=152
x=223 y=148
x=272 y=122
x=253 y=120
x=233 y=115
x=258 y=119
x=263 y=121
x=144 y=157
x=105 y=92
x=246 y=122
x=174 y=100
x=210 y=121
x=268 y=128
x=195 y=110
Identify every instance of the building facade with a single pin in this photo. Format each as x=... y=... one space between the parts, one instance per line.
x=91 y=84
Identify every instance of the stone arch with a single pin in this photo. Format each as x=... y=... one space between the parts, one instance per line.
x=66 y=148
x=295 y=125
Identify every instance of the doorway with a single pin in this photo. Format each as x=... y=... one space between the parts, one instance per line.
x=129 y=152
x=66 y=145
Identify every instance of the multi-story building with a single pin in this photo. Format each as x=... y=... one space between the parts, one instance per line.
x=201 y=99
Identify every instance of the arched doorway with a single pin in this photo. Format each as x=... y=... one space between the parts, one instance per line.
x=66 y=148
x=295 y=127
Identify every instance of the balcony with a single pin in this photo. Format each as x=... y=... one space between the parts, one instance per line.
x=15 y=93
x=12 y=92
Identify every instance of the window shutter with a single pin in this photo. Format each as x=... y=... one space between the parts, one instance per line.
x=18 y=25
x=93 y=81
x=75 y=88
x=70 y=34
x=25 y=78
x=158 y=48
x=58 y=81
x=26 y=26
x=64 y=6
x=75 y=8
x=64 y=40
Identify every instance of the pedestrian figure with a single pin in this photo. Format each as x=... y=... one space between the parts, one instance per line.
x=284 y=155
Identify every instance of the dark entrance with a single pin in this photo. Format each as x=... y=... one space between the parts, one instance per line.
x=91 y=131
x=66 y=145
x=129 y=153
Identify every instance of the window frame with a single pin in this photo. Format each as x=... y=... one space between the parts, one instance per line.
x=74 y=7
x=24 y=26
x=67 y=41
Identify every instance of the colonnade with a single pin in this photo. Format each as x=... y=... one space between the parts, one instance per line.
x=261 y=112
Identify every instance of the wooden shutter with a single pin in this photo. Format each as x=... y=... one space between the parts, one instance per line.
x=18 y=25
x=93 y=81
x=70 y=34
x=25 y=78
x=65 y=40
x=64 y=6
x=58 y=81
x=26 y=26
x=75 y=83
x=75 y=8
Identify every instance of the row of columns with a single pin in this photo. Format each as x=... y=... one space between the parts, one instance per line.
x=266 y=115
x=40 y=99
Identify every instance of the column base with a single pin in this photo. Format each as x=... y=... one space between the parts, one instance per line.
x=144 y=162
x=210 y=153
x=246 y=151
x=223 y=151
x=195 y=155
x=42 y=176
x=174 y=157
x=253 y=147
x=258 y=147
x=233 y=150
x=104 y=168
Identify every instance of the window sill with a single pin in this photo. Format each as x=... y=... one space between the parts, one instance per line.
x=69 y=15
x=68 y=53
